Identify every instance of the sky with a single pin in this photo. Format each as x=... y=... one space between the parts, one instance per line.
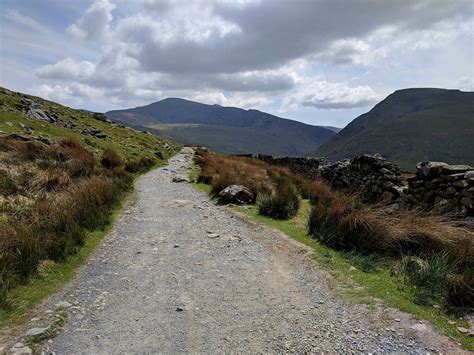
x=322 y=62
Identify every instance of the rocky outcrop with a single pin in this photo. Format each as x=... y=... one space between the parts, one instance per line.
x=442 y=187
x=237 y=194
x=371 y=176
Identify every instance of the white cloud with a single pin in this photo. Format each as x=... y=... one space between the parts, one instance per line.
x=32 y=24
x=465 y=83
x=325 y=95
x=94 y=23
x=67 y=69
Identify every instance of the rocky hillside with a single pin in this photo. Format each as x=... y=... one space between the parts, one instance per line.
x=33 y=118
x=225 y=129
x=410 y=126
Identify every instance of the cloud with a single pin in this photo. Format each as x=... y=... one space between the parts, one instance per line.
x=321 y=94
x=465 y=83
x=32 y=24
x=225 y=37
x=67 y=69
x=94 y=23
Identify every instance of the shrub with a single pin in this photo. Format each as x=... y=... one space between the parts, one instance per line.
x=50 y=180
x=281 y=204
x=429 y=278
x=8 y=185
x=110 y=159
x=80 y=162
x=139 y=166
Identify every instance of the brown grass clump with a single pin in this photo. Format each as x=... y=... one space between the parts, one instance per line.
x=139 y=166
x=79 y=160
x=110 y=159
x=50 y=180
x=283 y=203
x=220 y=172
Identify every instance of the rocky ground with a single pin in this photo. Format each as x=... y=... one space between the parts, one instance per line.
x=181 y=274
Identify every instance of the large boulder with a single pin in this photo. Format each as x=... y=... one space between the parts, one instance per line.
x=237 y=194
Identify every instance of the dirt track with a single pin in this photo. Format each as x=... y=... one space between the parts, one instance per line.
x=163 y=283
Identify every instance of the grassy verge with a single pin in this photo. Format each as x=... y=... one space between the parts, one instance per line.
x=377 y=282
x=52 y=277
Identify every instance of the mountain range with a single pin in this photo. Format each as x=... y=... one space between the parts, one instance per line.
x=225 y=129
x=409 y=126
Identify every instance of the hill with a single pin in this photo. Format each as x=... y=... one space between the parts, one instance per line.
x=225 y=129
x=409 y=126
x=37 y=119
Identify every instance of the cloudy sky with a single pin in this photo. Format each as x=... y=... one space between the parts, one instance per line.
x=317 y=61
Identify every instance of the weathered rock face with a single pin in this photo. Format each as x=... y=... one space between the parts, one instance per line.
x=237 y=194
x=374 y=178
x=443 y=187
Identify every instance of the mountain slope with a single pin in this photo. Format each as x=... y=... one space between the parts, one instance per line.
x=409 y=126
x=34 y=118
x=225 y=129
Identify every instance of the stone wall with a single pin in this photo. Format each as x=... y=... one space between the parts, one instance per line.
x=374 y=178
x=443 y=187
x=306 y=167
x=371 y=176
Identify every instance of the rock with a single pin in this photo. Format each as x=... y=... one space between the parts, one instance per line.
x=463 y=330
x=20 y=348
x=213 y=235
x=99 y=117
x=428 y=168
x=453 y=169
x=461 y=183
x=20 y=137
x=180 y=178
x=34 y=332
x=63 y=304
x=179 y=309
x=467 y=202
x=237 y=194
x=159 y=155
x=100 y=135
x=469 y=175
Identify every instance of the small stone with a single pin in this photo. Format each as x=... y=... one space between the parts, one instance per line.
x=33 y=332
x=419 y=327
x=35 y=319
x=176 y=246
x=213 y=235
x=179 y=309
x=463 y=330
x=397 y=320
x=63 y=304
x=451 y=322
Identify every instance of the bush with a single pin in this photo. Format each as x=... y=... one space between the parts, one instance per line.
x=139 y=166
x=110 y=159
x=281 y=204
x=80 y=162
x=50 y=180
x=429 y=278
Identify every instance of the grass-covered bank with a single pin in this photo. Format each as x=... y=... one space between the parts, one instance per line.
x=360 y=245
x=52 y=277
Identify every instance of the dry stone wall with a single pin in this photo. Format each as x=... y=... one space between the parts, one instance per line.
x=442 y=187
x=306 y=167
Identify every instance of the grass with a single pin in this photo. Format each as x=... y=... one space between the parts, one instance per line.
x=379 y=282
x=51 y=279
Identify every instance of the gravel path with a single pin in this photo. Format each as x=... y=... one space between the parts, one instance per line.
x=162 y=283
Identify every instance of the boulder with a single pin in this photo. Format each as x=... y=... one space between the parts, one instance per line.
x=237 y=194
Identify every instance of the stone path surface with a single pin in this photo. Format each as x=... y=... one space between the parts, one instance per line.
x=181 y=274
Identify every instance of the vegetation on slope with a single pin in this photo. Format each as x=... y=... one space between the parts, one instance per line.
x=427 y=259
x=59 y=184
x=409 y=126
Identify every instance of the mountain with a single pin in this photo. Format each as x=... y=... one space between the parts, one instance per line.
x=225 y=129
x=409 y=126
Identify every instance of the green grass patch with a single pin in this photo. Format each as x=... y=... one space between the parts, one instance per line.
x=376 y=280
